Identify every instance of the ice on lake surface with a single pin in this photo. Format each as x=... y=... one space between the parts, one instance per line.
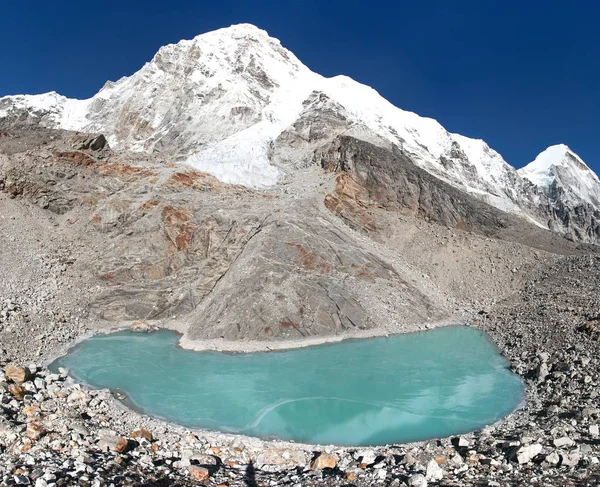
x=362 y=392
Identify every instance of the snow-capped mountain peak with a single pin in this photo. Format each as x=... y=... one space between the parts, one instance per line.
x=559 y=166
x=236 y=104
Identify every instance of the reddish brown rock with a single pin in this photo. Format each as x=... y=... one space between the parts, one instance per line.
x=124 y=445
x=324 y=461
x=17 y=391
x=199 y=473
x=35 y=431
x=142 y=433
x=17 y=374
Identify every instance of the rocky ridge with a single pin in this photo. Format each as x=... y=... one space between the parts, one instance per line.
x=238 y=105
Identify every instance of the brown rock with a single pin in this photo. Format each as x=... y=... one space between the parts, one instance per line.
x=31 y=410
x=35 y=431
x=350 y=476
x=142 y=433
x=17 y=391
x=324 y=461
x=199 y=473
x=25 y=447
x=124 y=445
x=17 y=374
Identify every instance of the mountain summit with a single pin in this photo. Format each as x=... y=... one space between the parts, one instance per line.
x=559 y=167
x=236 y=104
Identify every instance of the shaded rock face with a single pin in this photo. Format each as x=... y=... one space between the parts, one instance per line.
x=579 y=220
x=372 y=179
x=375 y=177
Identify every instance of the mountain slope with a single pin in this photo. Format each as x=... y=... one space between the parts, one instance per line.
x=238 y=105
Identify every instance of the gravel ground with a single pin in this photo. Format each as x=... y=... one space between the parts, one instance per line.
x=53 y=431
x=540 y=305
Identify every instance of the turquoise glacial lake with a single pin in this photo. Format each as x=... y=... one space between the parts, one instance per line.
x=361 y=392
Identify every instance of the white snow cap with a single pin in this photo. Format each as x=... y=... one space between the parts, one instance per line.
x=559 y=163
x=540 y=171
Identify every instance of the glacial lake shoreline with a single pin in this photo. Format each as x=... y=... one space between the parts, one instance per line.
x=341 y=404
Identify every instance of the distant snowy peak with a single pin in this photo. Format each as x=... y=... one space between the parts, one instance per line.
x=559 y=166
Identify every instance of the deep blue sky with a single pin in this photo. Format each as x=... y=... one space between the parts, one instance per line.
x=521 y=75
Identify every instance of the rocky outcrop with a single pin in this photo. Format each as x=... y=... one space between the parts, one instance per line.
x=225 y=262
x=577 y=219
x=373 y=178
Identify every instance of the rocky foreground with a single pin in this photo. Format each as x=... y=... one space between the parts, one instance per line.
x=54 y=432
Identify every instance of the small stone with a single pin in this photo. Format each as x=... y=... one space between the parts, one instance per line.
x=31 y=410
x=457 y=460
x=77 y=395
x=350 y=476
x=594 y=430
x=199 y=473
x=35 y=431
x=190 y=439
x=434 y=472
x=199 y=457
x=460 y=442
x=553 y=458
x=542 y=372
x=142 y=433
x=417 y=480
x=124 y=445
x=571 y=460
x=324 y=461
x=526 y=453
x=565 y=441
x=238 y=447
x=21 y=480
x=17 y=374
x=17 y=391
x=108 y=441
x=367 y=457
